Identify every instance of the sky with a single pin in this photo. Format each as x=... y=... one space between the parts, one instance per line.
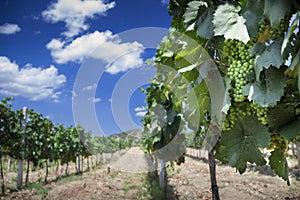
x=80 y=61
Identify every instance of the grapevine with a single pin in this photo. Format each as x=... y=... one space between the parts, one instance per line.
x=256 y=46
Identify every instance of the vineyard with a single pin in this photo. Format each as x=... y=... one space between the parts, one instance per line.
x=27 y=136
x=227 y=86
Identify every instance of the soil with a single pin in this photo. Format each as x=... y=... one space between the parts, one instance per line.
x=190 y=180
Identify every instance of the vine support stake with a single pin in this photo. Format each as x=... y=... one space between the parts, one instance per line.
x=163 y=178
x=213 y=179
x=20 y=161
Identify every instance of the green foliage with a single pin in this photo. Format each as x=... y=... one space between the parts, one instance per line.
x=275 y=10
x=256 y=47
x=229 y=23
x=252 y=11
x=241 y=144
x=278 y=162
x=270 y=56
x=268 y=90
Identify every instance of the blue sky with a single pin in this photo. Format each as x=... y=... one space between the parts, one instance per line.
x=91 y=52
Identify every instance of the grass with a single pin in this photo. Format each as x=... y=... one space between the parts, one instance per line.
x=38 y=188
x=68 y=178
x=113 y=174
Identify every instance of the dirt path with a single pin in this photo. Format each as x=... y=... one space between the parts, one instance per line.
x=189 y=181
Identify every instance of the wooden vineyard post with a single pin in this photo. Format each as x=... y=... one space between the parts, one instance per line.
x=20 y=161
x=78 y=164
x=163 y=178
x=297 y=144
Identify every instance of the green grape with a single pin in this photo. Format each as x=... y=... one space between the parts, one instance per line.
x=276 y=32
x=245 y=108
x=240 y=64
x=239 y=109
x=261 y=113
x=277 y=143
x=297 y=111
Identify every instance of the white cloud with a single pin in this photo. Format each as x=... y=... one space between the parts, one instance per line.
x=94 y=100
x=29 y=82
x=141 y=114
x=109 y=48
x=89 y=87
x=140 y=111
x=75 y=13
x=8 y=28
x=165 y=2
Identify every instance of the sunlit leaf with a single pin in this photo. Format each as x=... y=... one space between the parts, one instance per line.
x=229 y=23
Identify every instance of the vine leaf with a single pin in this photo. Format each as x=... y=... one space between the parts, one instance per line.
x=267 y=92
x=252 y=11
x=241 y=144
x=257 y=49
x=295 y=66
x=291 y=130
x=281 y=115
x=229 y=23
x=296 y=61
x=227 y=98
x=278 y=163
x=284 y=121
x=271 y=56
x=204 y=26
x=275 y=10
x=191 y=12
x=292 y=28
x=201 y=92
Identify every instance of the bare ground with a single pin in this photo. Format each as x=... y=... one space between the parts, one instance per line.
x=190 y=180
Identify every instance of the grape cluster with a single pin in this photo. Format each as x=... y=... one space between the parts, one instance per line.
x=277 y=143
x=236 y=111
x=241 y=64
x=297 y=111
x=261 y=113
x=278 y=31
x=245 y=108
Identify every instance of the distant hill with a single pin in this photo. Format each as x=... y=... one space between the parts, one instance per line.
x=133 y=135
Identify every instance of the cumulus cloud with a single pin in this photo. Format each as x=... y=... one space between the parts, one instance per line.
x=104 y=45
x=140 y=111
x=89 y=87
x=75 y=13
x=30 y=82
x=94 y=100
x=8 y=28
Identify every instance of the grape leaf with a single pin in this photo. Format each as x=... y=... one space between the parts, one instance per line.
x=267 y=92
x=191 y=14
x=275 y=10
x=257 y=49
x=252 y=11
x=201 y=92
x=290 y=31
x=284 y=121
x=192 y=11
x=280 y=115
x=270 y=56
x=290 y=130
x=299 y=78
x=229 y=23
x=278 y=162
x=227 y=98
x=241 y=144
x=204 y=26
x=296 y=61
